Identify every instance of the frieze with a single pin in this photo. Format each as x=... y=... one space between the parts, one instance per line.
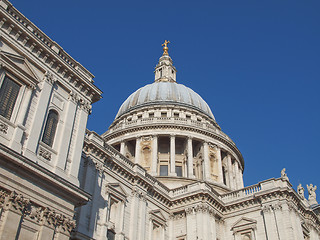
x=35 y=212
x=18 y=201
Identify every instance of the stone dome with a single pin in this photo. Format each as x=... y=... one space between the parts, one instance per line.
x=165 y=93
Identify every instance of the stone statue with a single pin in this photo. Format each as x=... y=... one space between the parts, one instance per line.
x=284 y=175
x=300 y=191
x=312 y=194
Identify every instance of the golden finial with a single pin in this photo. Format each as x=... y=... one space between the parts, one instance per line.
x=165 y=47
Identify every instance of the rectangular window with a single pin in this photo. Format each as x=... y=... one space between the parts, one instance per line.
x=163 y=170
x=8 y=95
x=179 y=171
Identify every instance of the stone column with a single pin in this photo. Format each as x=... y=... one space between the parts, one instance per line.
x=122 y=147
x=190 y=158
x=241 y=177
x=236 y=172
x=138 y=150
x=206 y=170
x=154 y=156
x=230 y=172
x=220 y=174
x=172 y=156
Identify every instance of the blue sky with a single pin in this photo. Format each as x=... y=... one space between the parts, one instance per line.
x=256 y=63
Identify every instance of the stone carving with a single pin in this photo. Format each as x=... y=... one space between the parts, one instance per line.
x=300 y=190
x=312 y=194
x=189 y=210
x=98 y=165
x=48 y=76
x=73 y=96
x=18 y=201
x=284 y=175
x=34 y=212
x=45 y=154
x=4 y=128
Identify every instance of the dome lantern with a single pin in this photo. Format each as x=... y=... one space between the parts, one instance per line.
x=165 y=71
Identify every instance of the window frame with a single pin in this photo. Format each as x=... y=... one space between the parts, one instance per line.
x=45 y=127
x=17 y=105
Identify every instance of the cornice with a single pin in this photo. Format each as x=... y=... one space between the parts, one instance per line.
x=18 y=28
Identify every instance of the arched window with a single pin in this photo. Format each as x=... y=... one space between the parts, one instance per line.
x=50 y=129
x=9 y=91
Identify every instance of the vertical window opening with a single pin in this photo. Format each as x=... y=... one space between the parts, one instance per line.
x=8 y=95
x=50 y=129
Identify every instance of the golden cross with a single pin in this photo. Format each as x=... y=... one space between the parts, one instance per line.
x=165 y=47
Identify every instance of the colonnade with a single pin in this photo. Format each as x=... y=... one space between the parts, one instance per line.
x=207 y=159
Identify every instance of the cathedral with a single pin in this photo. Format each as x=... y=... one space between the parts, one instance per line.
x=164 y=169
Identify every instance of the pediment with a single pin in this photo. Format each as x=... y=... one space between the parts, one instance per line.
x=21 y=65
x=243 y=223
x=157 y=216
x=117 y=190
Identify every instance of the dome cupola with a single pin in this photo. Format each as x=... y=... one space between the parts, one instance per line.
x=170 y=131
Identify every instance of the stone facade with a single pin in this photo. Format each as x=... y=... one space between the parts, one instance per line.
x=45 y=99
x=163 y=170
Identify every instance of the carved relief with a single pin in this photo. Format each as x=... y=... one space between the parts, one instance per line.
x=48 y=76
x=4 y=128
x=45 y=153
x=146 y=152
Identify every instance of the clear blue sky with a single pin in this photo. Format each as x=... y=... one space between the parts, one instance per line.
x=256 y=63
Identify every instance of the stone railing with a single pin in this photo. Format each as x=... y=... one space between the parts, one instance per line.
x=241 y=193
x=158 y=120
x=189 y=188
x=254 y=189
